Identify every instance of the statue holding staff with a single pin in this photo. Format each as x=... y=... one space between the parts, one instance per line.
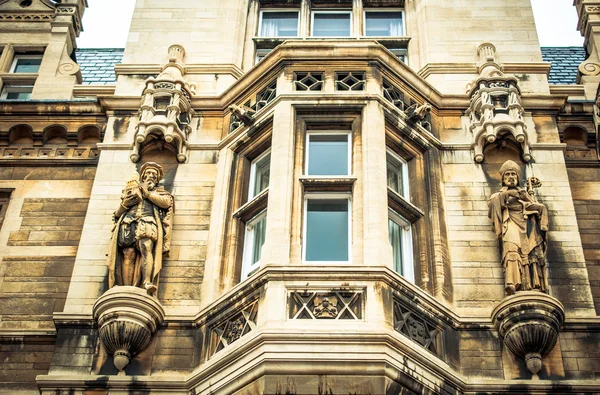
x=520 y=224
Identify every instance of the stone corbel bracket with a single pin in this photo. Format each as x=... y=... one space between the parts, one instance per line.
x=529 y=322
x=127 y=318
x=496 y=110
x=165 y=112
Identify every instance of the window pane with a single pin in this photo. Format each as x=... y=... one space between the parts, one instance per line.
x=328 y=155
x=261 y=174
x=28 y=65
x=396 y=242
x=279 y=24
x=383 y=24
x=258 y=239
x=394 y=176
x=327 y=230
x=20 y=93
x=331 y=24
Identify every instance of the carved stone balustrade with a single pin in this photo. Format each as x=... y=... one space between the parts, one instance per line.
x=165 y=112
x=127 y=318
x=529 y=323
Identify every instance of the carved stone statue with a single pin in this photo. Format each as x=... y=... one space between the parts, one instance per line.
x=520 y=224
x=142 y=231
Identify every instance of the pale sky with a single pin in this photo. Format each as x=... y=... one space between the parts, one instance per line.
x=556 y=21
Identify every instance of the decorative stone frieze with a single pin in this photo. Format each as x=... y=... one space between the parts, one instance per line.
x=423 y=331
x=339 y=305
x=165 y=111
x=233 y=327
x=529 y=322
x=127 y=318
x=495 y=111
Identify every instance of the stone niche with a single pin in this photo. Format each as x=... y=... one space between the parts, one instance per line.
x=495 y=111
x=165 y=112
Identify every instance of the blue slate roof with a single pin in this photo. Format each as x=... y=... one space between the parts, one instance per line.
x=98 y=65
x=565 y=61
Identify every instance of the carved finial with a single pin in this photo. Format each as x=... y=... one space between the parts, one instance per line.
x=176 y=53
x=487 y=60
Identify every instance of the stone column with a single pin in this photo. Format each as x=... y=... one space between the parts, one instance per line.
x=377 y=249
x=276 y=249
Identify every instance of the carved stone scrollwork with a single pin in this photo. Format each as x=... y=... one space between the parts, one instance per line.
x=529 y=323
x=127 y=318
x=165 y=111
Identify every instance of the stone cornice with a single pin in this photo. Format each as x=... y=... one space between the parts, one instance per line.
x=93 y=90
x=471 y=68
x=154 y=69
x=567 y=90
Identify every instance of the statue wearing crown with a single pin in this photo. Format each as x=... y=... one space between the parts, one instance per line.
x=520 y=224
x=142 y=232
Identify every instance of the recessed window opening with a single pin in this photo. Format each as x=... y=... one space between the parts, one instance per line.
x=328 y=153
x=384 y=24
x=255 y=238
x=11 y=92
x=327 y=228
x=259 y=174
x=397 y=174
x=331 y=23
x=26 y=64
x=278 y=24
x=400 y=233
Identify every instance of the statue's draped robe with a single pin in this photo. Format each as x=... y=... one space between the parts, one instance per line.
x=522 y=236
x=164 y=220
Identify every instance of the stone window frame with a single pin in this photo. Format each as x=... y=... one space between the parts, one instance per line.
x=322 y=120
x=243 y=210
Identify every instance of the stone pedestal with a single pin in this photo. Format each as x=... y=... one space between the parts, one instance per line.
x=529 y=322
x=127 y=318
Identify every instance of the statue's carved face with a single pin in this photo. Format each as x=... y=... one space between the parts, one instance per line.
x=510 y=178
x=150 y=178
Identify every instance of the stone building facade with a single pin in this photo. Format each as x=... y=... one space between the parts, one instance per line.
x=298 y=197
